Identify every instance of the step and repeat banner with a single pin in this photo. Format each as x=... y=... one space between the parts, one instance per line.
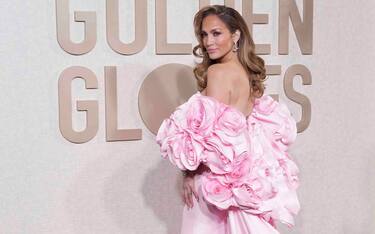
x=84 y=86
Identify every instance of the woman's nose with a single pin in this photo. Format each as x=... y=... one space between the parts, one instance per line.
x=210 y=40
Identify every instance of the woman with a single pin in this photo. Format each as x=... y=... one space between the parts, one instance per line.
x=230 y=140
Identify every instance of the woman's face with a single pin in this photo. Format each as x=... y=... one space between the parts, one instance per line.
x=216 y=37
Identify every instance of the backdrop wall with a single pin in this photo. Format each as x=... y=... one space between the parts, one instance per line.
x=50 y=185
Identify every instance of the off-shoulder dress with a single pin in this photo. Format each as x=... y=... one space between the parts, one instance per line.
x=252 y=179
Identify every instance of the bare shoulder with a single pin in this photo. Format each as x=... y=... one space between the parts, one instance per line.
x=220 y=82
x=220 y=70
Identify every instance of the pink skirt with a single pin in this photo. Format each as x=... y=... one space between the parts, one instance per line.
x=204 y=218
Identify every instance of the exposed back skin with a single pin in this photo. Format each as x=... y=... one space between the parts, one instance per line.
x=228 y=83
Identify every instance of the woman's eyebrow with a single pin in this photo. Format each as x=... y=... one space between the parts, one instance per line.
x=214 y=29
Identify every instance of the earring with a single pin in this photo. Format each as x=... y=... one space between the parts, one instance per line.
x=235 y=47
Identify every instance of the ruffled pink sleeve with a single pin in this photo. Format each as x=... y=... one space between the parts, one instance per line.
x=202 y=130
x=276 y=120
x=180 y=138
x=274 y=130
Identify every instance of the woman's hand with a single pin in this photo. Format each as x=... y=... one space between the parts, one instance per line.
x=188 y=190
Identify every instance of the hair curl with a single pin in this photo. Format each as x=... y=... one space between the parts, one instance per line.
x=253 y=64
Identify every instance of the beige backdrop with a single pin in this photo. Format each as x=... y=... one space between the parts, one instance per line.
x=50 y=185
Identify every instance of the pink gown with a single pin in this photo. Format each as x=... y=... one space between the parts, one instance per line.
x=251 y=181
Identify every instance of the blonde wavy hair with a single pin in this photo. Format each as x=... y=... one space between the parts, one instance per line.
x=253 y=64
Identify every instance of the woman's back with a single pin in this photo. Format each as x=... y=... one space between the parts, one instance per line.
x=240 y=97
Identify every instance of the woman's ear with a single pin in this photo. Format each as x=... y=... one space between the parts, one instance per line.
x=236 y=36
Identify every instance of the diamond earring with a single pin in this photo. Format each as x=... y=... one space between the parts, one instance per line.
x=235 y=47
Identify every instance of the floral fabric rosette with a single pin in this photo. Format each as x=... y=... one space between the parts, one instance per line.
x=203 y=130
x=250 y=168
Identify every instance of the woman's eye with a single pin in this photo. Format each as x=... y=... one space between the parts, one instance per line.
x=216 y=33
x=203 y=35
